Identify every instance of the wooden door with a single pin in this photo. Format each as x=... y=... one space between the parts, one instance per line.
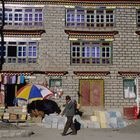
x=91 y=92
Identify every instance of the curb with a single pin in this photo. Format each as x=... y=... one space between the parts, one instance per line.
x=15 y=133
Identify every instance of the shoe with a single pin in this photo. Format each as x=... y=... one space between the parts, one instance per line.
x=63 y=134
x=73 y=133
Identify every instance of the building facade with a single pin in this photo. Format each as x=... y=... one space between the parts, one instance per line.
x=87 y=49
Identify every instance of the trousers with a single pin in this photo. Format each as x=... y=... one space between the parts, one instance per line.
x=69 y=124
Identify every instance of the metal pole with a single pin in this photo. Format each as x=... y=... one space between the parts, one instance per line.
x=2 y=34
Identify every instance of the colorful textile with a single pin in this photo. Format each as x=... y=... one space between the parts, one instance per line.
x=22 y=78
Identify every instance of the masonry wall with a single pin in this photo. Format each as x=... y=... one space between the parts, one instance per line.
x=54 y=54
x=126 y=52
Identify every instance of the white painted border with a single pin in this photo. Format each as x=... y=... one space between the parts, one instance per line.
x=20 y=5
x=20 y=39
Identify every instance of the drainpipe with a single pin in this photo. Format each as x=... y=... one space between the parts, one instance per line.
x=137 y=99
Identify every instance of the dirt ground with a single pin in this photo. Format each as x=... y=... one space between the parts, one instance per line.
x=131 y=132
x=8 y=126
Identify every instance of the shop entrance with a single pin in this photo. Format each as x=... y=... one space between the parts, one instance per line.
x=10 y=93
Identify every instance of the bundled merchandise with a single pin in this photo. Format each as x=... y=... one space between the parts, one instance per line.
x=13 y=117
x=6 y=116
x=17 y=113
x=107 y=119
x=2 y=109
x=54 y=121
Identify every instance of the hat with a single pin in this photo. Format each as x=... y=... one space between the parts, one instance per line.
x=68 y=98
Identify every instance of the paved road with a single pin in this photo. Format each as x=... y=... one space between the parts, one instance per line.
x=42 y=133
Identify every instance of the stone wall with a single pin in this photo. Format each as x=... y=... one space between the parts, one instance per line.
x=54 y=54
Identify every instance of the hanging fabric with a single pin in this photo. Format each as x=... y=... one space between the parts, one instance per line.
x=22 y=79
x=2 y=92
x=18 y=80
x=5 y=79
x=14 y=79
x=0 y=77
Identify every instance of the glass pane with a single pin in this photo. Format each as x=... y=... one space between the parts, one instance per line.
x=24 y=53
x=24 y=48
x=34 y=48
x=30 y=54
x=19 y=54
x=30 y=48
x=34 y=53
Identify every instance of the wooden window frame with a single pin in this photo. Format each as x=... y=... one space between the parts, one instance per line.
x=138 y=18
x=90 y=60
x=20 y=59
x=13 y=12
x=89 y=17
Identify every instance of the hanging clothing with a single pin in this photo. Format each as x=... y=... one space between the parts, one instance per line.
x=2 y=92
x=5 y=79
x=22 y=78
x=18 y=80
x=14 y=79
x=0 y=77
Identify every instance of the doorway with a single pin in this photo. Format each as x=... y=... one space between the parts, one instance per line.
x=92 y=93
x=10 y=93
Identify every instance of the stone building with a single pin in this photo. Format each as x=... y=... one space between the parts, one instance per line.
x=89 y=49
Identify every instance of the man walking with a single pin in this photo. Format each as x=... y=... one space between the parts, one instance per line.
x=69 y=112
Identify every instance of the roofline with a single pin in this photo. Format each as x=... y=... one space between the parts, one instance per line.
x=78 y=2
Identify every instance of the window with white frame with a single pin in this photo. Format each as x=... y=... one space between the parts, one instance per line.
x=91 y=52
x=90 y=17
x=8 y=16
x=20 y=51
x=32 y=16
x=138 y=18
x=129 y=88
x=18 y=16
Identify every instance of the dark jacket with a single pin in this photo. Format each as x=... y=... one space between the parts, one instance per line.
x=69 y=109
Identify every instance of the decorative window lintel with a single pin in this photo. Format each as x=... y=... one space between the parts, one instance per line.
x=91 y=73
x=129 y=73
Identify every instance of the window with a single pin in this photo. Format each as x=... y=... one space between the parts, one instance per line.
x=138 y=18
x=55 y=83
x=8 y=16
x=38 y=17
x=56 y=87
x=18 y=17
x=129 y=88
x=91 y=52
x=28 y=17
x=20 y=52
x=90 y=17
x=4 y=51
x=23 y=16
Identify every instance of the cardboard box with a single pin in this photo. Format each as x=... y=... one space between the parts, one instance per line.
x=6 y=116
x=13 y=117
x=16 y=110
x=37 y=119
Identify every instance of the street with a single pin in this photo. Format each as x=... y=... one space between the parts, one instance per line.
x=41 y=133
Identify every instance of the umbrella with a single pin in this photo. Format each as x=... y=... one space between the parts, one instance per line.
x=33 y=92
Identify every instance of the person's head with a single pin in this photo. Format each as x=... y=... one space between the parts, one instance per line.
x=68 y=98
